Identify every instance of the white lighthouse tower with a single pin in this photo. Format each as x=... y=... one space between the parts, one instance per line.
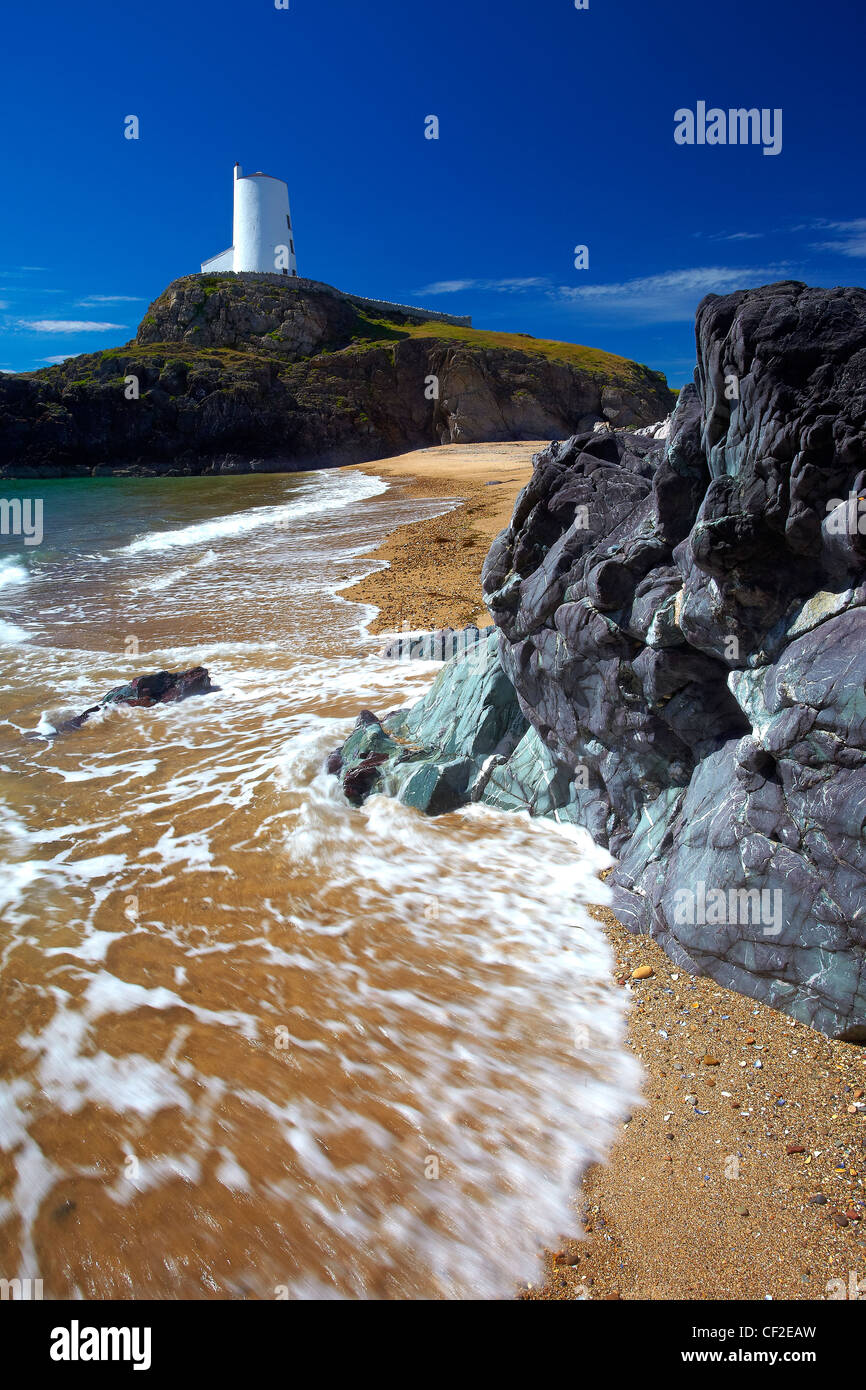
x=263 y=238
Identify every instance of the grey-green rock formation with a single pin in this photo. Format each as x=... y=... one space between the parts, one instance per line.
x=683 y=623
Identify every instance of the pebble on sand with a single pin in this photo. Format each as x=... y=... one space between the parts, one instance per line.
x=643 y=972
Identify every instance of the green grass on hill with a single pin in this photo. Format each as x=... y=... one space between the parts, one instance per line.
x=591 y=360
x=365 y=334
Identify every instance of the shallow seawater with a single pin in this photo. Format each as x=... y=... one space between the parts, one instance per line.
x=255 y=1042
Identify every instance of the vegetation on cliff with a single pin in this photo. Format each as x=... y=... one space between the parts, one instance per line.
x=229 y=374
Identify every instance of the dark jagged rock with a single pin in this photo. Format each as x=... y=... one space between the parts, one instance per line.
x=257 y=373
x=684 y=626
x=698 y=648
x=161 y=688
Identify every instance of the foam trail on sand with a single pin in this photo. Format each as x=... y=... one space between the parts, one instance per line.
x=262 y=1039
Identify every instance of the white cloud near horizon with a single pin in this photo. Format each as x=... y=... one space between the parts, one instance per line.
x=110 y=299
x=670 y=297
x=55 y=361
x=674 y=296
x=67 y=326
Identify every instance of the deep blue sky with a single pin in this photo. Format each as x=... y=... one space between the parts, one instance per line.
x=556 y=129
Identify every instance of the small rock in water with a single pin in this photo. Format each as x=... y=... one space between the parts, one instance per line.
x=161 y=688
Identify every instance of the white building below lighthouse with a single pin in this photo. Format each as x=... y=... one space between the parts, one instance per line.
x=262 y=237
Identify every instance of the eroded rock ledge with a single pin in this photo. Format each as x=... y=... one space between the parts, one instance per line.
x=681 y=660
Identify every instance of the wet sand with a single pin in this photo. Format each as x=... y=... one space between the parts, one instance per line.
x=743 y=1174
x=434 y=579
x=237 y=1054
x=702 y=1199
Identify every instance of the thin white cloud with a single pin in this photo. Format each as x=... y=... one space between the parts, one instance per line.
x=509 y=286
x=857 y=225
x=67 y=326
x=856 y=246
x=849 y=241
x=449 y=286
x=54 y=361
x=528 y=282
x=21 y=269
x=111 y=299
x=853 y=242
x=729 y=236
x=671 y=297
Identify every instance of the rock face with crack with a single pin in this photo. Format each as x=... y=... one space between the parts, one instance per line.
x=683 y=622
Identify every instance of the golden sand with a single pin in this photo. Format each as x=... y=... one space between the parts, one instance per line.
x=749 y=1117
x=434 y=579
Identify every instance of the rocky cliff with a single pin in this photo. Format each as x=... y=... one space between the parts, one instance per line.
x=233 y=373
x=680 y=662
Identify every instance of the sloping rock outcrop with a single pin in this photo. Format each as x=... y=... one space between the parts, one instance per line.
x=466 y=740
x=236 y=373
x=683 y=622
x=432 y=754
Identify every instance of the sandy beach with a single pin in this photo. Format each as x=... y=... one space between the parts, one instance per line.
x=434 y=579
x=742 y=1175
